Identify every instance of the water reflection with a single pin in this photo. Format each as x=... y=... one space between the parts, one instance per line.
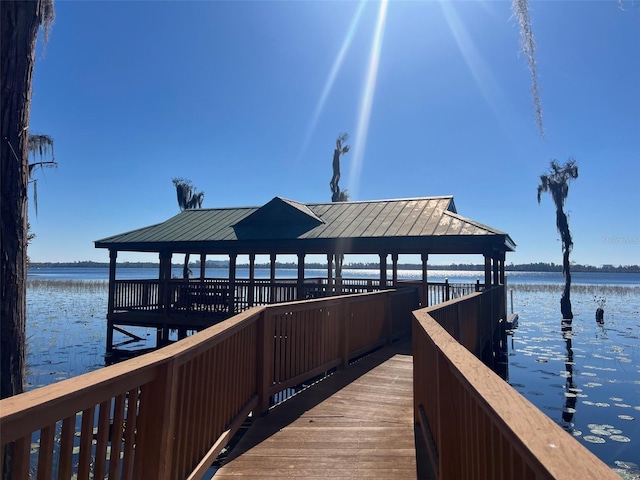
x=570 y=394
x=597 y=399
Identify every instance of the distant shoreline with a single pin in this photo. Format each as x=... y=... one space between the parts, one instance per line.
x=526 y=267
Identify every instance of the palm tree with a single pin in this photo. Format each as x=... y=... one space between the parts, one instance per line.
x=556 y=182
x=20 y=22
x=338 y=195
x=187 y=195
x=340 y=150
x=39 y=147
x=188 y=198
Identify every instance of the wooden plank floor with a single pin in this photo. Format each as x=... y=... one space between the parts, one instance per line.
x=358 y=423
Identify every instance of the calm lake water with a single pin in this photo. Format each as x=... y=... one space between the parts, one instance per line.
x=587 y=380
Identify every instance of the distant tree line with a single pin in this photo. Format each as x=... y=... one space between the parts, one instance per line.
x=520 y=267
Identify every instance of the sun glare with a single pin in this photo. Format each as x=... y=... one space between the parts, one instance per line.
x=484 y=78
x=366 y=102
x=335 y=68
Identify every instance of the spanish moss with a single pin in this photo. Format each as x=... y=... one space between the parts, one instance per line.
x=528 y=46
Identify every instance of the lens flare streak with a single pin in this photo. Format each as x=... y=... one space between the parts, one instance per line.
x=366 y=103
x=335 y=68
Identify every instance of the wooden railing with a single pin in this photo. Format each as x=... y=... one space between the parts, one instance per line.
x=169 y=413
x=438 y=292
x=137 y=295
x=211 y=295
x=208 y=295
x=476 y=425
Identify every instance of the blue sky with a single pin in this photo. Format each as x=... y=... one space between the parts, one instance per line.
x=246 y=99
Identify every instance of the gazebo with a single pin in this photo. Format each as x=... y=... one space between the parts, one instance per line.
x=423 y=226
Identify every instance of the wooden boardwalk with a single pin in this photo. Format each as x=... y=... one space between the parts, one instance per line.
x=358 y=423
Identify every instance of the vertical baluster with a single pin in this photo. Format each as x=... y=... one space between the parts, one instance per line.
x=129 y=434
x=21 y=451
x=45 y=455
x=116 y=436
x=65 y=459
x=86 y=439
x=103 y=439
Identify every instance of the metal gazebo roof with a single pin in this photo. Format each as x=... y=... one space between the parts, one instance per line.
x=413 y=225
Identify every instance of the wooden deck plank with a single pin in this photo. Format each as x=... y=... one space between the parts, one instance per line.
x=358 y=423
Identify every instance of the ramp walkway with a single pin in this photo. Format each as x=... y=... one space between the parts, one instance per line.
x=357 y=423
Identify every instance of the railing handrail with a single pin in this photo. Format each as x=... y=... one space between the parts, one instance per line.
x=168 y=392
x=180 y=296
x=458 y=397
x=57 y=400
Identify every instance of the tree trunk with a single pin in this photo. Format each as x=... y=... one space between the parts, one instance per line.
x=19 y=30
x=567 y=244
x=186 y=271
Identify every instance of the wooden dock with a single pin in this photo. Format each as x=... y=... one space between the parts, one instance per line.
x=357 y=423
x=169 y=414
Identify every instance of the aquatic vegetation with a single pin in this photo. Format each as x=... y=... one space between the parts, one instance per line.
x=65 y=329
x=68 y=286
x=598 y=363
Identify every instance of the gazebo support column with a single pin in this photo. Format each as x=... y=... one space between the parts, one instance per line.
x=300 y=292
x=383 y=270
x=394 y=275
x=232 y=283
x=113 y=255
x=252 y=279
x=338 y=282
x=272 y=277
x=165 y=277
x=164 y=295
x=203 y=266
x=503 y=282
x=496 y=280
x=487 y=271
x=329 y=274
x=425 y=285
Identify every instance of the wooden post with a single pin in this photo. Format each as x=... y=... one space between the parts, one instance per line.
x=252 y=279
x=394 y=262
x=232 y=283
x=487 y=271
x=109 y=335
x=265 y=362
x=496 y=281
x=203 y=266
x=489 y=296
x=164 y=293
x=343 y=319
x=300 y=293
x=501 y=267
x=388 y=315
x=338 y=282
x=448 y=418
x=425 y=283
x=155 y=436
x=113 y=255
x=329 y=274
x=458 y=335
x=272 y=278
x=383 y=270
x=447 y=292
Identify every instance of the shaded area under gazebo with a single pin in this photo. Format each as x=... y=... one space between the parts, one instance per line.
x=387 y=228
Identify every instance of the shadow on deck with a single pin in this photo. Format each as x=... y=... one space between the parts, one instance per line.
x=356 y=423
